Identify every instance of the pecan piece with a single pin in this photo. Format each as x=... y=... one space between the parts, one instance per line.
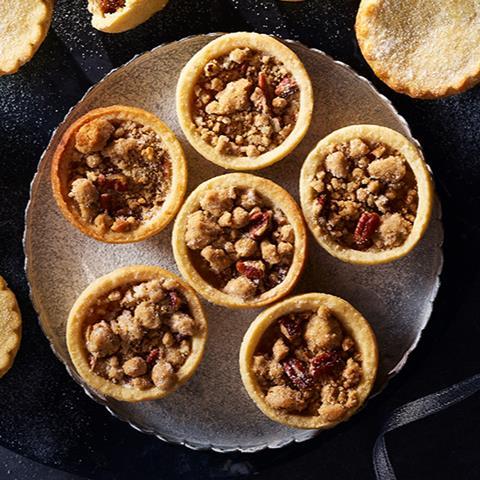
x=174 y=300
x=321 y=201
x=325 y=363
x=117 y=182
x=111 y=6
x=153 y=355
x=287 y=86
x=259 y=224
x=291 y=327
x=366 y=226
x=297 y=373
x=106 y=201
x=249 y=269
x=120 y=225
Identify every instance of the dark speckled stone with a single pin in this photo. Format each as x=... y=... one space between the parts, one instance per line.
x=46 y=416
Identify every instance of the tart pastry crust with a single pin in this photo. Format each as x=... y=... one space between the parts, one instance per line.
x=399 y=155
x=425 y=49
x=10 y=327
x=361 y=338
x=103 y=289
x=115 y=16
x=251 y=93
x=23 y=27
x=168 y=187
x=267 y=238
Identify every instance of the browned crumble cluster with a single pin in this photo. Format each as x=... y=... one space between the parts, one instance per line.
x=239 y=243
x=306 y=364
x=120 y=174
x=366 y=196
x=245 y=103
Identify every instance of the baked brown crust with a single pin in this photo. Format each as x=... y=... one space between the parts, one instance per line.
x=396 y=40
x=221 y=46
x=78 y=322
x=279 y=198
x=412 y=156
x=351 y=321
x=173 y=200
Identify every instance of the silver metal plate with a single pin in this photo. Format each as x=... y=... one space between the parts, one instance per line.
x=213 y=410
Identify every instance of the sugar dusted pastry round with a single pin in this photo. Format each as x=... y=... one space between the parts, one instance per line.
x=119 y=174
x=309 y=361
x=115 y=16
x=240 y=241
x=426 y=49
x=366 y=194
x=137 y=333
x=244 y=101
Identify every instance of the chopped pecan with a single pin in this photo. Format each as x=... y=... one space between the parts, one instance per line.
x=153 y=355
x=291 y=326
x=249 y=269
x=111 y=6
x=297 y=373
x=325 y=363
x=117 y=181
x=287 y=86
x=174 y=300
x=259 y=224
x=106 y=201
x=120 y=225
x=366 y=226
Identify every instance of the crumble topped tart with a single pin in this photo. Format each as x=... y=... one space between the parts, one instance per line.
x=115 y=16
x=119 y=174
x=136 y=333
x=309 y=361
x=244 y=101
x=240 y=240
x=366 y=194
x=426 y=49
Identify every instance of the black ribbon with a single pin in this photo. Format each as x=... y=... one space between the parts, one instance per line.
x=416 y=410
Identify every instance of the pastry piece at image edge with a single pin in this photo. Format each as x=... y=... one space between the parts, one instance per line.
x=137 y=333
x=426 y=49
x=309 y=361
x=116 y=16
x=119 y=174
x=366 y=194
x=240 y=241
x=244 y=101
x=24 y=24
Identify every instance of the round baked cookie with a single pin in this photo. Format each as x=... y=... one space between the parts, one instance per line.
x=115 y=16
x=426 y=49
x=10 y=327
x=240 y=241
x=23 y=27
x=366 y=194
x=244 y=101
x=137 y=333
x=309 y=361
x=119 y=174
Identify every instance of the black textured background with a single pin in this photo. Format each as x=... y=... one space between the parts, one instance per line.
x=46 y=416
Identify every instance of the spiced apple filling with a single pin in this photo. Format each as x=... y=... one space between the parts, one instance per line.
x=306 y=364
x=140 y=335
x=366 y=196
x=245 y=103
x=120 y=174
x=239 y=242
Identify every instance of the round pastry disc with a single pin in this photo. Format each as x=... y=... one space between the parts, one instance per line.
x=212 y=410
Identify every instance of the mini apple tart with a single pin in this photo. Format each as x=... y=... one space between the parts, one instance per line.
x=244 y=101
x=137 y=333
x=240 y=240
x=309 y=361
x=366 y=194
x=119 y=174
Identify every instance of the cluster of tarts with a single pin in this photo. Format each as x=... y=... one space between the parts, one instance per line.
x=119 y=175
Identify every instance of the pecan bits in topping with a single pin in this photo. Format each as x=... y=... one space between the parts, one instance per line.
x=153 y=355
x=325 y=363
x=174 y=300
x=259 y=224
x=111 y=6
x=249 y=269
x=291 y=326
x=297 y=373
x=366 y=226
x=286 y=87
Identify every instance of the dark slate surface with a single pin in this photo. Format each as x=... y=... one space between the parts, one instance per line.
x=47 y=417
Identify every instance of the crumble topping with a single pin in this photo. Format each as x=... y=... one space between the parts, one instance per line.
x=306 y=364
x=245 y=103
x=238 y=242
x=141 y=334
x=366 y=195
x=120 y=174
